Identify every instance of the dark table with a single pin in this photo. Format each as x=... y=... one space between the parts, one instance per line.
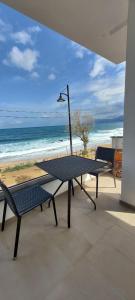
x=68 y=168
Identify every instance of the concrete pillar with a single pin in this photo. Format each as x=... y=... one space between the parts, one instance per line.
x=128 y=182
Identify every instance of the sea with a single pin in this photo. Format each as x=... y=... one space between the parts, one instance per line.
x=36 y=142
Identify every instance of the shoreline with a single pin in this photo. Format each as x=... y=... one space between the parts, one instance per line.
x=31 y=145
x=12 y=163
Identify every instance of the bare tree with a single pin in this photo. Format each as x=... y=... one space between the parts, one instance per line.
x=81 y=125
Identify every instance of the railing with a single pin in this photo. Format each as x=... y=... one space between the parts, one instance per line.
x=21 y=171
x=39 y=180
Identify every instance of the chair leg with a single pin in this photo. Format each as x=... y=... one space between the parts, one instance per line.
x=81 y=181
x=49 y=203
x=41 y=206
x=96 y=186
x=114 y=180
x=54 y=209
x=73 y=188
x=4 y=216
x=17 y=236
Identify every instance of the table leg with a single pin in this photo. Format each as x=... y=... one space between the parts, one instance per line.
x=81 y=186
x=69 y=202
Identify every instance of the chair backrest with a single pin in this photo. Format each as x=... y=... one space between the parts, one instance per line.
x=8 y=197
x=107 y=154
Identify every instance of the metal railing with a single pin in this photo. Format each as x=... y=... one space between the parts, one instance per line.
x=39 y=180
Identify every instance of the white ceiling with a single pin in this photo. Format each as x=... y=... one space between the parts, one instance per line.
x=100 y=25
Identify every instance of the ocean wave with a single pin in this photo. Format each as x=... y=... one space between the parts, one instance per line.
x=48 y=147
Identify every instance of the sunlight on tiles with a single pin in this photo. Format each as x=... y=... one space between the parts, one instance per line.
x=127 y=217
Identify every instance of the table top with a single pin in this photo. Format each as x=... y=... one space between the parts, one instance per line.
x=69 y=167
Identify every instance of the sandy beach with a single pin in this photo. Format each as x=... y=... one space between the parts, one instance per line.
x=15 y=172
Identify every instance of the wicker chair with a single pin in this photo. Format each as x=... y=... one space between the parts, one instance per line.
x=22 y=202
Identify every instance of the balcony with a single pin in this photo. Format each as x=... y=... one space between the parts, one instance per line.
x=95 y=259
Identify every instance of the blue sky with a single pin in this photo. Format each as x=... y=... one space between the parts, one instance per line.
x=36 y=63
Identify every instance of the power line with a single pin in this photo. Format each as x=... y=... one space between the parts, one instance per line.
x=40 y=112
x=26 y=111
x=29 y=117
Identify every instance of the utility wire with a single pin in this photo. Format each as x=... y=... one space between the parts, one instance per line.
x=29 y=117
x=26 y=111
x=40 y=112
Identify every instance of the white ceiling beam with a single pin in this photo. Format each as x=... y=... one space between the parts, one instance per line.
x=99 y=25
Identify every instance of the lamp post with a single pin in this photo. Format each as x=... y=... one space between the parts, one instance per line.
x=61 y=99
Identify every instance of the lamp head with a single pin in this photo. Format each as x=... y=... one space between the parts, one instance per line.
x=61 y=99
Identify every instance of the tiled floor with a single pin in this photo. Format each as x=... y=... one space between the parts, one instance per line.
x=94 y=260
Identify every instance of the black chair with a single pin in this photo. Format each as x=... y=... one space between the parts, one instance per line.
x=22 y=202
x=107 y=155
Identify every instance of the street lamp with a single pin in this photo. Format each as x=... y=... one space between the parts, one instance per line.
x=61 y=99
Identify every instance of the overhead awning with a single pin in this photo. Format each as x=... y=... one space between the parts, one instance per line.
x=99 y=25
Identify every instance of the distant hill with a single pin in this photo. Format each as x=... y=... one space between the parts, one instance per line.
x=118 y=119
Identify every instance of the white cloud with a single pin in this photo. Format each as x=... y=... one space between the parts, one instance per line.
x=34 y=75
x=99 y=67
x=26 y=60
x=51 y=76
x=22 y=37
x=121 y=66
x=103 y=97
x=25 y=36
x=4 y=30
x=34 y=29
x=79 y=50
x=109 y=88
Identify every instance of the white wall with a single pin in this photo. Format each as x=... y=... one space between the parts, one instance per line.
x=128 y=184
